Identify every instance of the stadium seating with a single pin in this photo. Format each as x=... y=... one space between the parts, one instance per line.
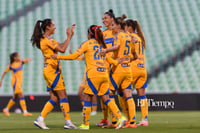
x=168 y=26
x=10 y=7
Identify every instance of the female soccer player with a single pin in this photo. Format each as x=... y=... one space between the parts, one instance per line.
x=15 y=66
x=52 y=69
x=138 y=67
x=96 y=75
x=108 y=19
x=120 y=75
x=82 y=87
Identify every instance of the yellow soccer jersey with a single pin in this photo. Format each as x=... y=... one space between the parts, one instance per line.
x=140 y=62
x=124 y=51
x=95 y=65
x=109 y=41
x=108 y=38
x=17 y=73
x=48 y=46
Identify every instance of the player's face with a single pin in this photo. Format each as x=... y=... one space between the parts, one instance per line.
x=17 y=57
x=52 y=27
x=128 y=28
x=107 y=20
x=115 y=27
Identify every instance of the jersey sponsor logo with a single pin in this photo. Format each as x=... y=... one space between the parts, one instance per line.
x=140 y=65
x=125 y=64
x=101 y=69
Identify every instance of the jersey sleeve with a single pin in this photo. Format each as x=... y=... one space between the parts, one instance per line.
x=24 y=61
x=76 y=54
x=116 y=40
x=81 y=58
x=7 y=69
x=53 y=45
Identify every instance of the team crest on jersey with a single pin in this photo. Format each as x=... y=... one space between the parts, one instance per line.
x=105 y=36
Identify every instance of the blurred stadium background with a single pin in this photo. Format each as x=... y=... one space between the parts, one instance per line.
x=171 y=28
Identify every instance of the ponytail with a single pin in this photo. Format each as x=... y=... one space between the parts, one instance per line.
x=96 y=33
x=37 y=35
x=136 y=26
x=141 y=34
x=38 y=32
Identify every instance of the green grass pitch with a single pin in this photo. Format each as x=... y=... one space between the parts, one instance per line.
x=160 y=122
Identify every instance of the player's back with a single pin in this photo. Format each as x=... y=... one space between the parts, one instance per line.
x=139 y=49
x=124 y=51
x=95 y=65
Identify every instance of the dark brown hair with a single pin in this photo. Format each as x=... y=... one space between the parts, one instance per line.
x=38 y=31
x=12 y=56
x=110 y=13
x=120 y=21
x=96 y=33
x=136 y=27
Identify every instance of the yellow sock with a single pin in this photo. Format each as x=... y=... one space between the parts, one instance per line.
x=144 y=106
x=123 y=105
x=64 y=105
x=86 y=112
x=23 y=104
x=112 y=116
x=131 y=108
x=48 y=108
x=113 y=107
x=11 y=103
x=94 y=107
x=104 y=110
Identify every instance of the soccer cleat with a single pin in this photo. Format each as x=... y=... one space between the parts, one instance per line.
x=121 y=122
x=40 y=124
x=143 y=123
x=69 y=125
x=110 y=126
x=127 y=123
x=93 y=113
x=103 y=122
x=27 y=114
x=134 y=125
x=84 y=127
x=6 y=112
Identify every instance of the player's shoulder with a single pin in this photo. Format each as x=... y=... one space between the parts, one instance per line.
x=119 y=35
x=106 y=30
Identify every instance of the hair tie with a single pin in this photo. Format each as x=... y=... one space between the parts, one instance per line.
x=95 y=30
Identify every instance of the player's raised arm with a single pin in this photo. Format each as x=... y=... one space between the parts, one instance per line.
x=26 y=60
x=61 y=47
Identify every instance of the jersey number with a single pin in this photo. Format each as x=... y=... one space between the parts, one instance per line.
x=139 y=47
x=126 y=52
x=96 y=55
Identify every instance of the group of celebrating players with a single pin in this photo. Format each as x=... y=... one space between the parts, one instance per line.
x=115 y=61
